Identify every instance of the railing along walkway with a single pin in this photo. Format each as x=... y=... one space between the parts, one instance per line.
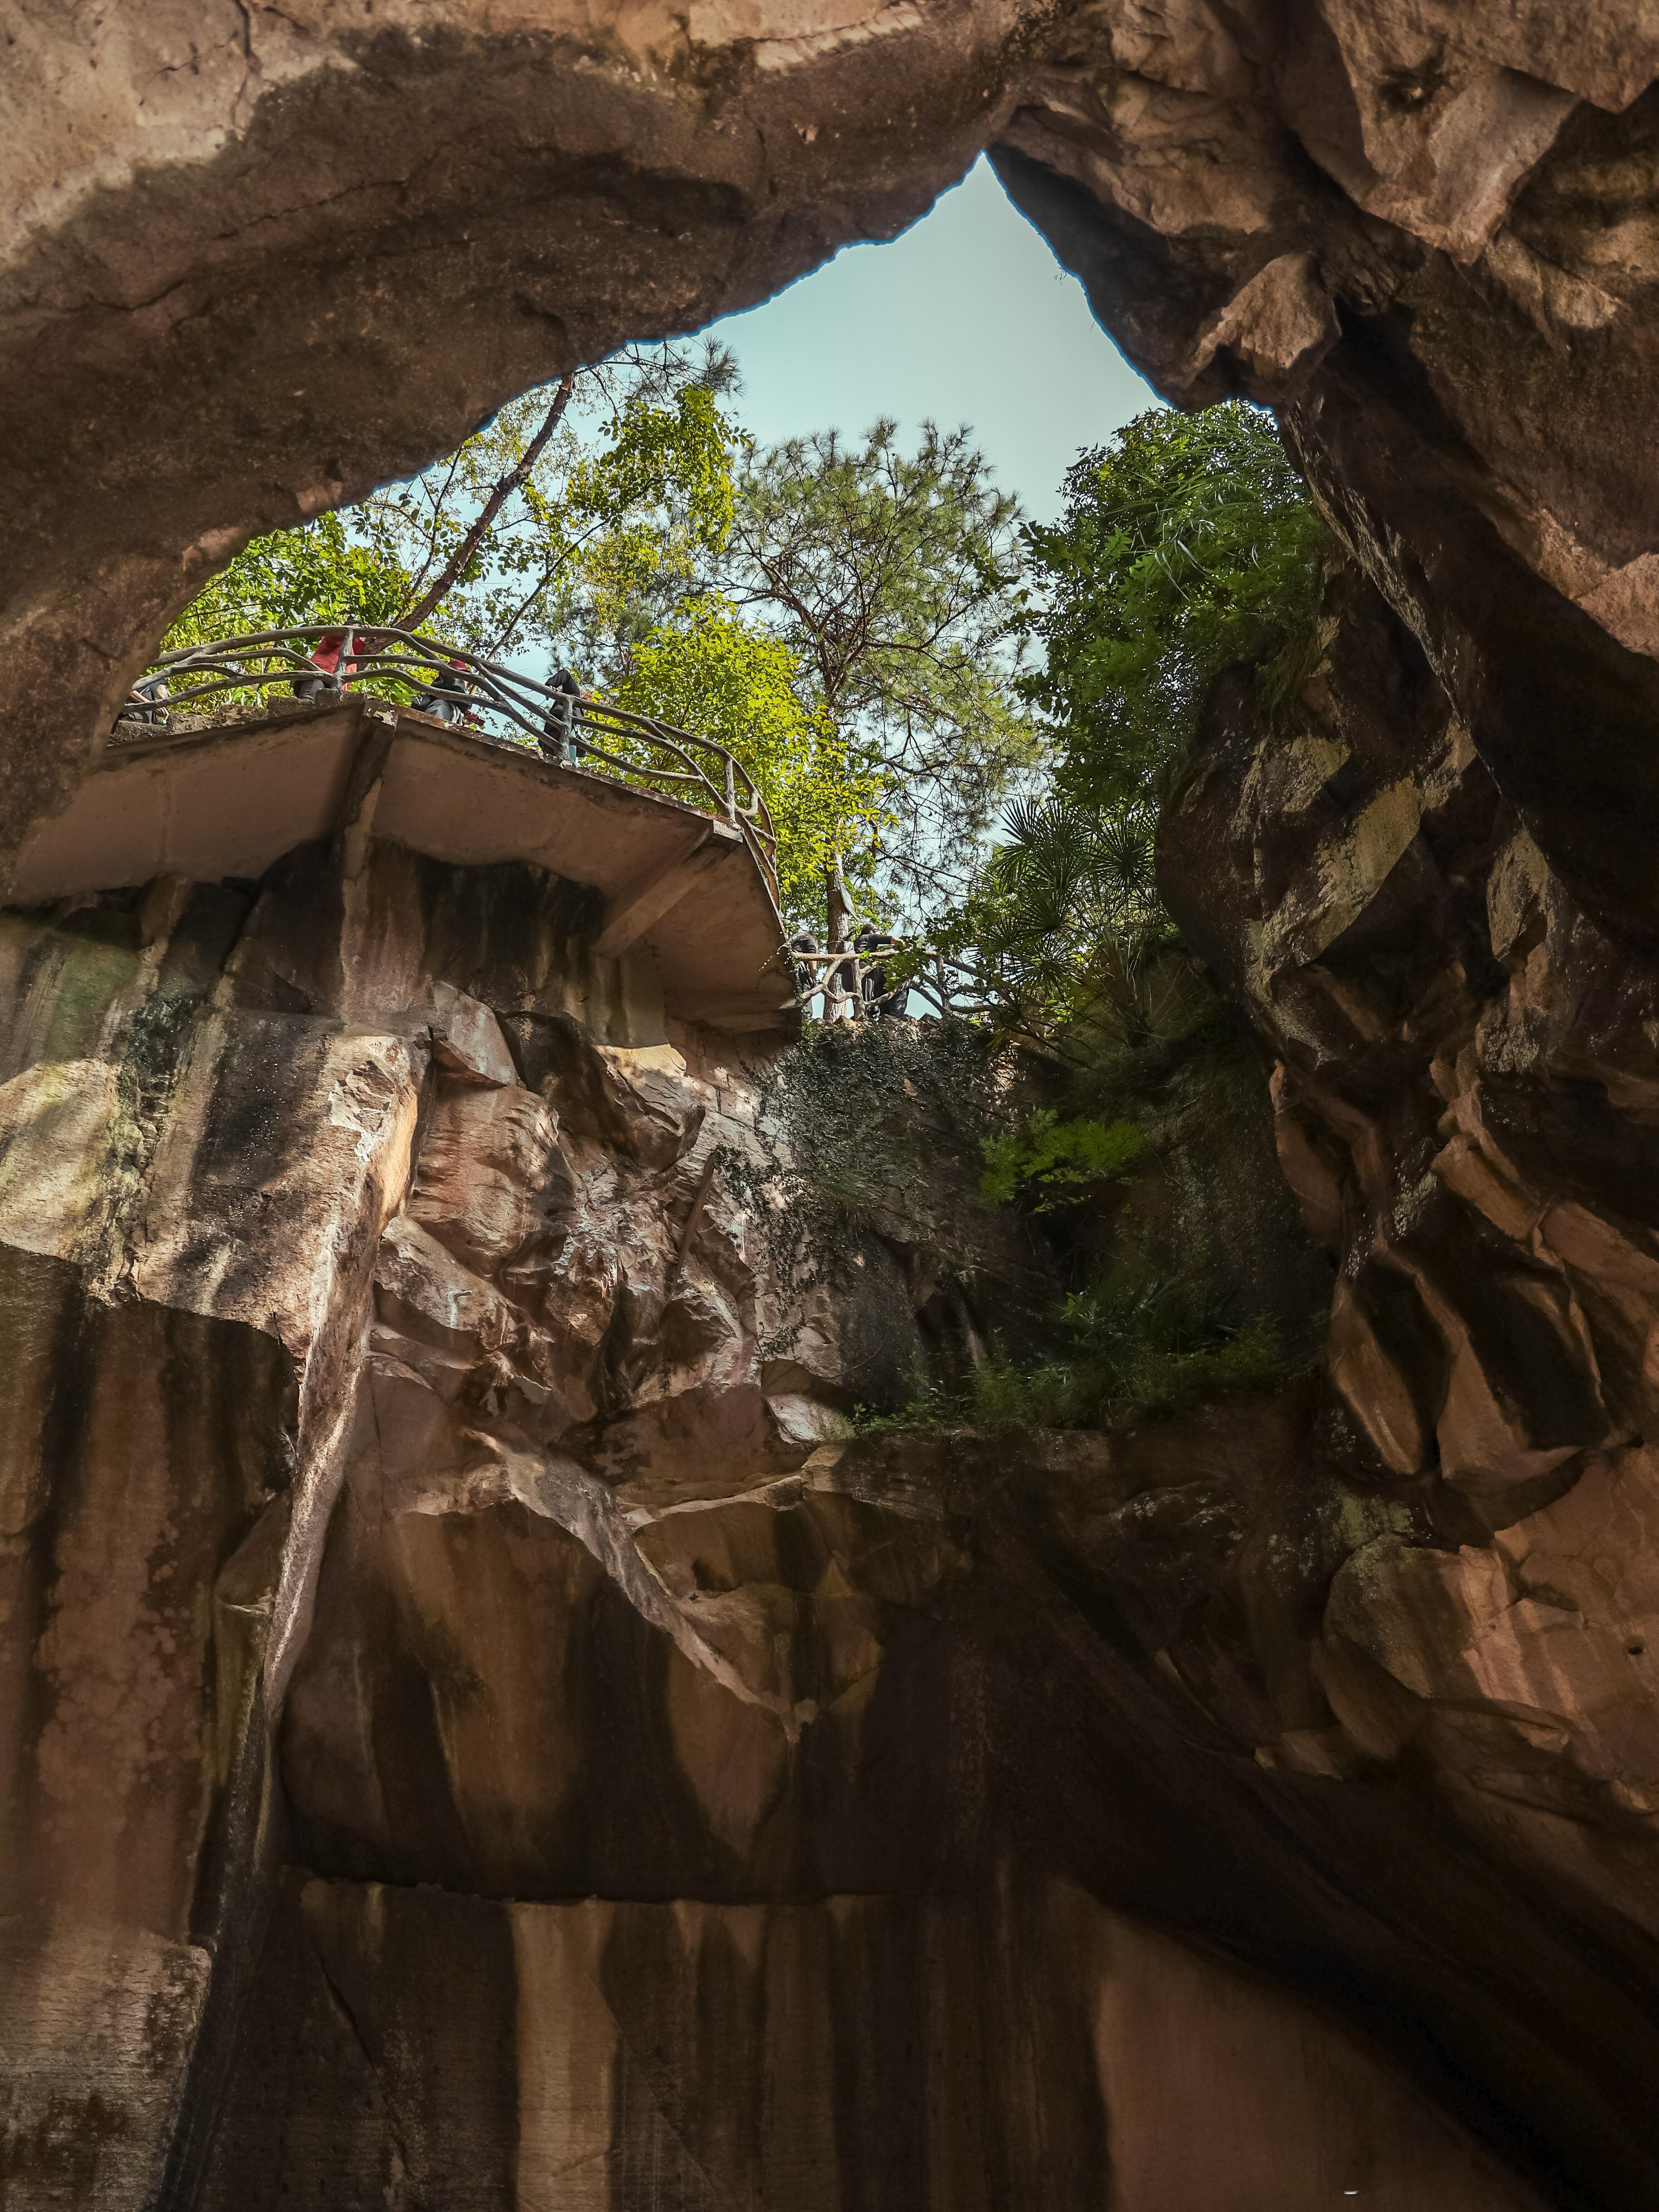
x=322 y=662
x=857 y=985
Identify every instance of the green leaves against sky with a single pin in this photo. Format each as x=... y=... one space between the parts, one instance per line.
x=977 y=715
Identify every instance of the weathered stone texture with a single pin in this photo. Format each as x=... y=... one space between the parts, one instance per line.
x=1464 y=1104
x=432 y=1507
x=384 y=1323
x=897 y=2052
x=420 y=1455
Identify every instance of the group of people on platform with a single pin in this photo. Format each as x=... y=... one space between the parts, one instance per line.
x=335 y=659
x=336 y=656
x=865 y=981
x=558 y=741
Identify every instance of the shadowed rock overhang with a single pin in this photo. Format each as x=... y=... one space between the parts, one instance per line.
x=257 y=260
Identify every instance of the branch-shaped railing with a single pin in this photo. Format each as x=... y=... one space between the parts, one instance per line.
x=319 y=663
x=322 y=662
x=870 y=979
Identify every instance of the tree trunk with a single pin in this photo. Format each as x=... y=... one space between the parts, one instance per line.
x=492 y=506
x=839 y=912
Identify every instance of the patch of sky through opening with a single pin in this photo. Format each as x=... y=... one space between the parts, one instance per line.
x=966 y=318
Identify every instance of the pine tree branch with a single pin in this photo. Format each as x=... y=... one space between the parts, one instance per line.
x=515 y=477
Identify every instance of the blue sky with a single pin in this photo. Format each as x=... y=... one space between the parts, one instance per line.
x=967 y=318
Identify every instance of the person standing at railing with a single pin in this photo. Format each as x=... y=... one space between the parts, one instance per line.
x=560 y=741
x=335 y=655
x=447 y=697
x=876 y=1000
x=153 y=691
x=806 y=974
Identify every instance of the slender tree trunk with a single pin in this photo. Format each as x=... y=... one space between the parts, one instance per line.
x=839 y=908
x=413 y=616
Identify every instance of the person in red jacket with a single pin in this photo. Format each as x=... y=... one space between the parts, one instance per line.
x=333 y=656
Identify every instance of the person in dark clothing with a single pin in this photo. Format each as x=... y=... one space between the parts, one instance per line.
x=447 y=699
x=560 y=741
x=869 y=943
x=806 y=976
x=153 y=690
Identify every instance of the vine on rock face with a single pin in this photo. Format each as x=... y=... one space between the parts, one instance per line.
x=871 y=1197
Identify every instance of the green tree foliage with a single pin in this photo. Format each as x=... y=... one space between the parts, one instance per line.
x=706 y=670
x=608 y=524
x=1188 y=542
x=317 y=573
x=893 y=580
x=1062 y=938
x=667 y=464
x=1054 y=1162
x=611 y=527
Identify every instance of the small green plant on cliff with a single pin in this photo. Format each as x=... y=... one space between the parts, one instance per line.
x=1188 y=1276
x=1138 y=1345
x=1150 y=1341
x=1055 y=1163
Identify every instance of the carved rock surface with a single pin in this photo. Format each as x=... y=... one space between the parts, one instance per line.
x=584 y=2055
x=474 y=1732
x=1465 y=1096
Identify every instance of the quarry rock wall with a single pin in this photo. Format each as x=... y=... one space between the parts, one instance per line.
x=1463 y=1086
x=479 y=1725
x=477 y=1729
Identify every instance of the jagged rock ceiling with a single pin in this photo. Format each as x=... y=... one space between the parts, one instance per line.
x=260 y=259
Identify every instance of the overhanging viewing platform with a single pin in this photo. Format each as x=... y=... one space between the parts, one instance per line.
x=691 y=884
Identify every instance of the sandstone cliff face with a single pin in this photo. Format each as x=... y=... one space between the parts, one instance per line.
x=479 y=1732
x=1464 y=1102
x=474 y=1733
x=282 y=1212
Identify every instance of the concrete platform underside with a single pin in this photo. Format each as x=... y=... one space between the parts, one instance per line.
x=231 y=800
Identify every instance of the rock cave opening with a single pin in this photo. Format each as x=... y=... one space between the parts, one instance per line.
x=617 y=1598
